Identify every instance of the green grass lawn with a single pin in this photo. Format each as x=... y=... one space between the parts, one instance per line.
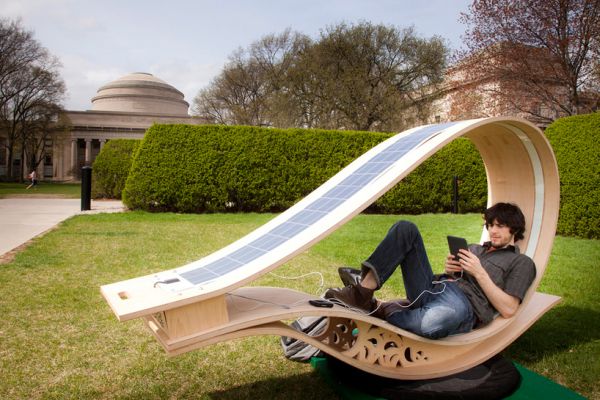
x=43 y=189
x=60 y=340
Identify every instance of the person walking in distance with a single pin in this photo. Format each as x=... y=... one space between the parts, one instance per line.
x=33 y=177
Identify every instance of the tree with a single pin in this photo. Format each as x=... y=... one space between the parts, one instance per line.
x=360 y=76
x=372 y=73
x=17 y=50
x=237 y=95
x=251 y=88
x=536 y=56
x=279 y=56
x=31 y=93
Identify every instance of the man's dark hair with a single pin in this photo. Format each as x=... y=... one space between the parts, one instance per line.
x=507 y=214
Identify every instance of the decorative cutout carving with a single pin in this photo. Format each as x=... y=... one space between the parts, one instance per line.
x=371 y=344
x=338 y=334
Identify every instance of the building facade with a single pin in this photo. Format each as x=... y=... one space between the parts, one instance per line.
x=122 y=109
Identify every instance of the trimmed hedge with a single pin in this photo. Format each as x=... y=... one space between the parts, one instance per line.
x=111 y=168
x=428 y=189
x=575 y=143
x=209 y=168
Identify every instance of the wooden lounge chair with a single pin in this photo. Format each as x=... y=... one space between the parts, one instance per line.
x=205 y=302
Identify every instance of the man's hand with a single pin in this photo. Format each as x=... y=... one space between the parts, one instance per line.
x=467 y=261
x=470 y=263
x=504 y=303
x=452 y=266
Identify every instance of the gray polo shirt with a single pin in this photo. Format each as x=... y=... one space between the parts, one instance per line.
x=510 y=270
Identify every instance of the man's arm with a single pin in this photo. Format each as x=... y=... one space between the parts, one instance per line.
x=503 y=302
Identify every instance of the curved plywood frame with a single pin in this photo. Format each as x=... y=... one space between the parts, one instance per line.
x=365 y=342
x=520 y=167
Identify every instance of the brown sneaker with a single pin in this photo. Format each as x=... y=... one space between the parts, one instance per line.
x=353 y=296
x=349 y=276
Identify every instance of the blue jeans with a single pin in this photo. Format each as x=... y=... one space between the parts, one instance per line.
x=441 y=308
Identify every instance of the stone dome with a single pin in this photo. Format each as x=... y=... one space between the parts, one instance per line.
x=140 y=92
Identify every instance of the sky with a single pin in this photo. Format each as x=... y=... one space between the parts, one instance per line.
x=187 y=42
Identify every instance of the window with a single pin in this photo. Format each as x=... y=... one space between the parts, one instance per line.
x=2 y=152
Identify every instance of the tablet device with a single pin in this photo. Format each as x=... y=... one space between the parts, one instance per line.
x=456 y=243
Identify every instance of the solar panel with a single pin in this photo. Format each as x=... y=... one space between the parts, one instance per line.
x=359 y=180
x=341 y=192
x=203 y=274
x=307 y=217
x=288 y=229
x=325 y=204
x=267 y=242
x=314 y=211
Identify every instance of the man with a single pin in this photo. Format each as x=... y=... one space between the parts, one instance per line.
x=33 y=177
x=486 y=280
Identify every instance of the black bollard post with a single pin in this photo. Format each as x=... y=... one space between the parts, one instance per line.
x=86 y=188
x=455 y=194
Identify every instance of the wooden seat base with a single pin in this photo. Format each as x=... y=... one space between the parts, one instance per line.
x=365 y=342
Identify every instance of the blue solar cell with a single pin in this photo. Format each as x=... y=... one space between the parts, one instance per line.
x=404 y=146
x=324 y=204
x=246 y=254
x=267 y=242
x=429 y=130
x=223 y=265
x=387 y=157
x=341 y=192
x=316 y=210
x=357 y=180
x=374 y=168
x=288 y=229
x=199 y=275
x=307 y=217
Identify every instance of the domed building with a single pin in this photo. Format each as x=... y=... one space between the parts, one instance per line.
x=140 y=92
x=121 y=109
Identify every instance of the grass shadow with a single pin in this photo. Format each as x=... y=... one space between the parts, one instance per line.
x=558 y=331
x=306 y=386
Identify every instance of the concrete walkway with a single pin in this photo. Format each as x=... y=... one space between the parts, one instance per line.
x=22 y=219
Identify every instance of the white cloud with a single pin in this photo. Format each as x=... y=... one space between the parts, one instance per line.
x=20 y=8
x=83 y=79
x=88 y=23
x=32 y=9
x=186 y=43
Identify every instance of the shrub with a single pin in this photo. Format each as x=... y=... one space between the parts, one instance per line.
x=111 y=168
x=428 y=189
x=238 y=168
x=575 y=143
x=231 y=168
